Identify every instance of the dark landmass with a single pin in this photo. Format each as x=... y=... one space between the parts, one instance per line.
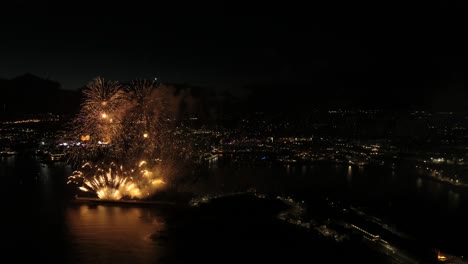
x=242 y=228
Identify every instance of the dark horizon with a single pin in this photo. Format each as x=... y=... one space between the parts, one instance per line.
x=368 y=51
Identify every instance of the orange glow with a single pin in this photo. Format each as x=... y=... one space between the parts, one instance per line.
x=85 y=138
x=104 y=115
x=145 y=135
x=441 y=257
x=158 y=182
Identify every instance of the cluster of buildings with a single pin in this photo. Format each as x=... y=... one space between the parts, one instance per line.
x=434 y=143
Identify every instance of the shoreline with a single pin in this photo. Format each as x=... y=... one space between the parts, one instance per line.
x=91 y=200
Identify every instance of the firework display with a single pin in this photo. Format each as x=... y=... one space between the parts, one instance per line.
x=127 y=145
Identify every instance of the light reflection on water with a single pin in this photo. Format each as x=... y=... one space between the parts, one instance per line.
x=419 y=184
x=112 y=234
x=453 y=200
x=349 y=175
x=303 y=170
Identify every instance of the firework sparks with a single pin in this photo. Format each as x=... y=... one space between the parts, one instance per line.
x=114 y=182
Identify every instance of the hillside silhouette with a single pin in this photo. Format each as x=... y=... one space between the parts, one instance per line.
x=29 y=94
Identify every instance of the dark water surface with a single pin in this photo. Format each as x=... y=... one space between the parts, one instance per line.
x=43 y=224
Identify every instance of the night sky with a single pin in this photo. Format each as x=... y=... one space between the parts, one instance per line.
x=362 y=50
